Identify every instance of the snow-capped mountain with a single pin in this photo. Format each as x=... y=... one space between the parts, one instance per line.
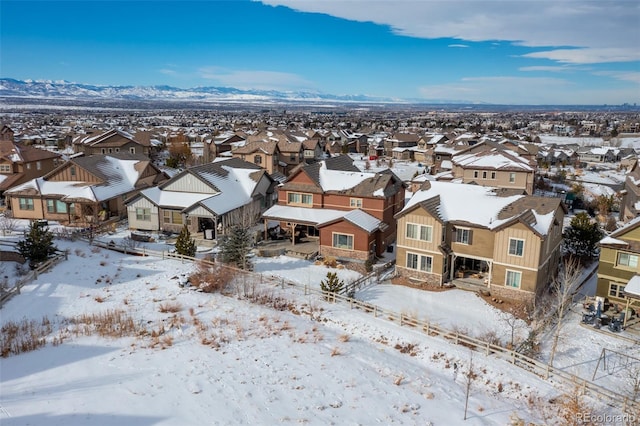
x=11 y=88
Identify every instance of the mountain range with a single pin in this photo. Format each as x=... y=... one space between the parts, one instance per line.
x=47 y=89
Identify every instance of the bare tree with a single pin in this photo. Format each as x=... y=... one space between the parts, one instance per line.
x=510 y=318
x=7 y=223
x=564 y=287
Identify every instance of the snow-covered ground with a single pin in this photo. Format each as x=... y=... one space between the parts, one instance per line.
x=222 y=359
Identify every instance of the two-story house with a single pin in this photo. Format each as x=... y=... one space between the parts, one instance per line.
x=630 y=204
x=84 y=190
x=113 y=141
x=619 y=261
x=351 y=212
x=265 y=154
x=20 y=163
x=510 y=244
x=495 y=167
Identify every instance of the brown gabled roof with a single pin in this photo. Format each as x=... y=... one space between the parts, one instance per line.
x=268 y=147
x=522 y=210
x=113 y=137
x=286 y=146
x=24 y=153
x=385 y=180
x=310 y=143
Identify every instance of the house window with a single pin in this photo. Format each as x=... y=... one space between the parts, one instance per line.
x=419 y=262
x=72 y=170
x=475 y=174
x=343 y=241
x=118 y=150
x=484 y=175
x=38 y=165
x=110 y=150
x=5 y=168
x=616 y=290
x=257 y=159
x=355 y=203
x=516 y=247
x=299 y=198
x=56 y=206
x=419 y=232
x=25 y=203
x=143 y=214
x=132 y=150
x=513 y=279
x=172 y=216
x=512 y=177
x=463 y=236
x=628 y=260
x=28 y=165
x=103 y=150
x=493 y=175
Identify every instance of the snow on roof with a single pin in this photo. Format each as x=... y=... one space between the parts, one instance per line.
x=67 y=189
x=302 y=214
x=363 y=219
x=173 y=198
x=446 y=164
x=633 y=286
x=612 y=241
x=339 y=180
x=462 y=202
x=543 y=222
x=494 y=160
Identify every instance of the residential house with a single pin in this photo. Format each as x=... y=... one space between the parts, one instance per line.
x=400 y=140
x=265 y=154
x=291 y=154
x=85 y=190
x=496 y=167
x=209 y=198
x=602 y=154
x=113 y=141
x=349 y=211
x=630 y=204
x=222 y=145
x=312 y=150
x=507 y=244
x=619 y=262
x=20 y=163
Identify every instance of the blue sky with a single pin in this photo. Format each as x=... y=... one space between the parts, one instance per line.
x=510 y=52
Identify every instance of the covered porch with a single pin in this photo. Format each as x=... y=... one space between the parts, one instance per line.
x=469 y=272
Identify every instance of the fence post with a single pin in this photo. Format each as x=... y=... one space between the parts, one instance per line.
x=375 y=311
x=513 y=357
x=400 y=319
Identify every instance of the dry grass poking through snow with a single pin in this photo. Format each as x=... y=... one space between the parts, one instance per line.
x=24 y=336
x=170 y=307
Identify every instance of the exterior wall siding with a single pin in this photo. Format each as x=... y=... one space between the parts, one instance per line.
x=531 y=252
x=190 y=183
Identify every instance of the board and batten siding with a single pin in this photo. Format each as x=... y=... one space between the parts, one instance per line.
x=531 y=253
x=190 y=183
x=420 y=217
x=134 y=223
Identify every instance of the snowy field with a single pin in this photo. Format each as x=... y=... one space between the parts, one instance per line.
x=223 y=359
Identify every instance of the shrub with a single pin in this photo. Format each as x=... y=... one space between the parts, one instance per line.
x=38 y=244
x=212 y=278
x=185 y=245
x=332 y=283
x=172 y=307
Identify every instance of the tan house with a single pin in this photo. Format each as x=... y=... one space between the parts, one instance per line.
x=349 y=211
x=265 y=154
x=85 y=190
x=619 y=261
x=507 y=244
x=112 y=142
x=20 y=163
x=498 y=168
x=209 y=199
x=630 y=204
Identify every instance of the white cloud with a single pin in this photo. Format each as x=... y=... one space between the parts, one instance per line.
x=589 y=56
x=254 y=79
x=167 y=71
x=458 y=45
x=521 y=90
x=605 y=30
x=633 y=76
x=548 y=68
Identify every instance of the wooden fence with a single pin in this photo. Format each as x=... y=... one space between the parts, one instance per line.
x=31 y=275
x=520 y=360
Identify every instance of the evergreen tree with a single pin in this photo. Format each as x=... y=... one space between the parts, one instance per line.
x=185 y=245
x=38 y=244
x=582 y=237
x=332 y=283
x=235 y=248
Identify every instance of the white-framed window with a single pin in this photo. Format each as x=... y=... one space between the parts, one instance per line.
x=103 y=150
x=419 y=232
x=512 y=177
x=56 y=206
x=118 y=150
x=38 y=165
x=493 y=175
x=72 y=170
x=513 y=279
x=143 y=214
x=172 y=216
x=25 y=203
x=355 y=203
x=343 y=241
x=299 y=198
x=5 y=168
x=132 y=150
x=419 y=262
x=616 y=290
x=627 y=259
x=257 y=159
x=484 y=175
x=463 y=235
x=516 y=247
x=475 y=174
